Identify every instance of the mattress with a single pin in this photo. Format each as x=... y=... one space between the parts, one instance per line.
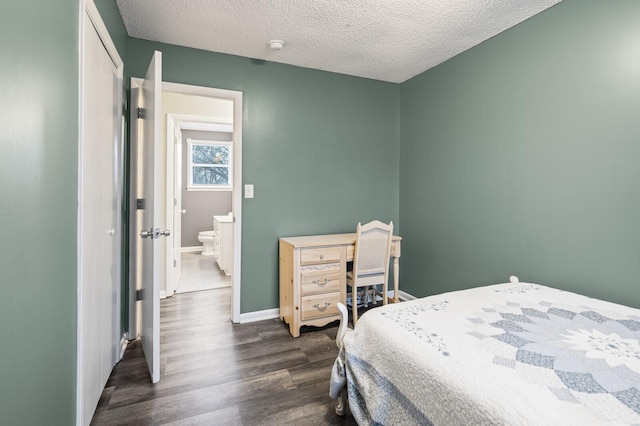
x=515 y=353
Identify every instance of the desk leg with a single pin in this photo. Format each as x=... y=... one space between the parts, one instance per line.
x=396 y=279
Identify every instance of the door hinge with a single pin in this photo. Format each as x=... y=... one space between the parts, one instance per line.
x=139 y=294
x=141 y=113
x=141 y=204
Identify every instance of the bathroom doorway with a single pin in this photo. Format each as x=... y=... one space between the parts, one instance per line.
x=201 y=114
x=203 y=208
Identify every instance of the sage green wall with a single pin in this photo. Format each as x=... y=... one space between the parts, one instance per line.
x=320 y=148
x=521 y=156
x=38 y=214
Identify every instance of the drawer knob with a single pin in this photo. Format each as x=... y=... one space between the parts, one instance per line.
x=322 y=309
x=321 y=283
x=322 y=257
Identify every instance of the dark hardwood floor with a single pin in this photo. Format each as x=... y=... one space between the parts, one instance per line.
x=214 y=372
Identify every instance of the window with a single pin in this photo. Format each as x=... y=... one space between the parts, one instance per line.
x=210 y=166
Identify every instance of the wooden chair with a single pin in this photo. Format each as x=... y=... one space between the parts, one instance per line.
x=370 y=262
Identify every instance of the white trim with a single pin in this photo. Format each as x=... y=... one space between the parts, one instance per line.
x=259 y=315
x=163 y=294
x=237 y=205
x=124 y=342
x=217 y=124
x=190 y=249
x=170 y=283
x=201 y=122
x=135 y=86
x=188 y=89
x=205 y=189
x=88 y=9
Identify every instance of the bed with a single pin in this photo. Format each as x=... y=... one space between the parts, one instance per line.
x=512 y=353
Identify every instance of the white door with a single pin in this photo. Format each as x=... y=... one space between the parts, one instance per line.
x=98 y=327
x=151 y=208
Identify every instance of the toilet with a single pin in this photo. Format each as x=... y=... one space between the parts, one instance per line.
x=207 y=239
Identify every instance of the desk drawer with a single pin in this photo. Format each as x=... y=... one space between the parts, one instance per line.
x=320 y=255
x=321 y=305
x=320 y=281
x=395 y=250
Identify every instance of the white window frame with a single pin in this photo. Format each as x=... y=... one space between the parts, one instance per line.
x=209 y=187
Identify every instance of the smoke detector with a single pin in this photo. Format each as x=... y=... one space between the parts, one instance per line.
x=275 y=44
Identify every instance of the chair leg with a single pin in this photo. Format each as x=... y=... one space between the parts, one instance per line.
x=354 y=307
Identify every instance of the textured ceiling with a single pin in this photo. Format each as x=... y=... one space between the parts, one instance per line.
x=390 y=40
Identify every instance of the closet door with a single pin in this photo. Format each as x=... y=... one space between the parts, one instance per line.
x=99 y=207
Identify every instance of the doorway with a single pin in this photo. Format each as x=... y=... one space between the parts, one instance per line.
x=202 y=209
x=197 y=94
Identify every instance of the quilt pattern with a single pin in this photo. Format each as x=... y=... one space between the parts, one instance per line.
x=406 y=318
x=581 y=355
x=511 y=353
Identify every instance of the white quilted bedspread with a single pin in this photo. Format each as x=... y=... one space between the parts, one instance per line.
x=502 y=354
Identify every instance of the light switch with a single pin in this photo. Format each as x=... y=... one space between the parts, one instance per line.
x=248 y=191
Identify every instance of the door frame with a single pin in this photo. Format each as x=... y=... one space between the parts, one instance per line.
x=236 y=198
x=90 y=16
x=134 y=253
x=183 y=122
x=236 y=203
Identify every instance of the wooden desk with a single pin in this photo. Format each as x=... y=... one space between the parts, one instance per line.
x=313 y=277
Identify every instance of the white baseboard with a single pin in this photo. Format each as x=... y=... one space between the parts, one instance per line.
x=259 y=315
x=124 y=341
x=190 y=249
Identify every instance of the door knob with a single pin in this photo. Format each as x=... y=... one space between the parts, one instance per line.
x=157 y=233
x=154 y=234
